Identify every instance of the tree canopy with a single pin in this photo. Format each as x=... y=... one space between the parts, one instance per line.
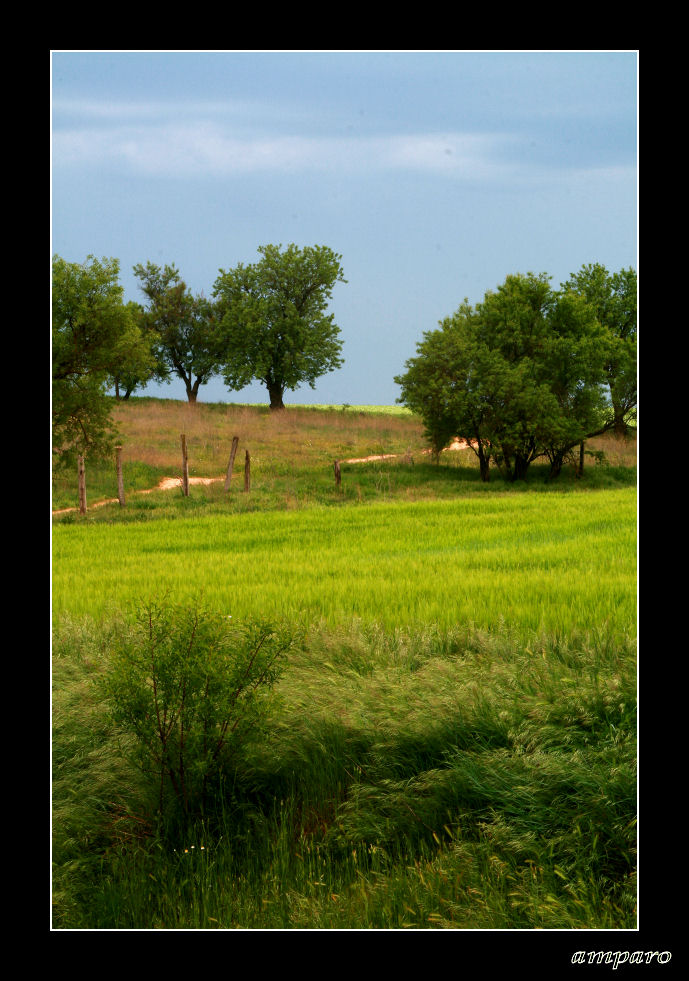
x=614 y=299
x=272 y=320
x=522 y=375
x=94 y=335
x=181 y=327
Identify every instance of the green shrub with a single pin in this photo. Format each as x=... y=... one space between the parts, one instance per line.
x=185 y=686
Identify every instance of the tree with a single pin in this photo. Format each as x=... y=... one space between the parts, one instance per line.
x=439 y=386
x=552 y=349
x=181 y=327
x=272 y=321
x=614 y=299
x=132 y=363
x=520 y=374
x=90 y=325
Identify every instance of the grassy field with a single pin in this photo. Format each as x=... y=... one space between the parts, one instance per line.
x=451 y=744
x=556 y=563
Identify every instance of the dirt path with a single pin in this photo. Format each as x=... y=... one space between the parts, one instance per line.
x=456 y=444
x=168 y=483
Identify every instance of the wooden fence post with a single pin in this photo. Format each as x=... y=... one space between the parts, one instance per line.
x=247 y=472
x=338 y=476
x=185 y=467
x=230 y=465
x=120 y=479
x=581 y=459
x=82 y=484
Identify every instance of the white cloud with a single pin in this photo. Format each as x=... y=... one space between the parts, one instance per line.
x=183 y=149
x=232 y=138
x=242 y=111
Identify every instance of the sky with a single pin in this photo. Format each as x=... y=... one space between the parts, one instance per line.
x=434 y=174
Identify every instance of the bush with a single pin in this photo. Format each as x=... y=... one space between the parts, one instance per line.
x=185 y=686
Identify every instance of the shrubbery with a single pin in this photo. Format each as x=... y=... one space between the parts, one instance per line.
x=185 y=686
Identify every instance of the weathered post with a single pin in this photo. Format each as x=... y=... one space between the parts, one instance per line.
x=338 y=475
x=185 y=467
x=230 y=465
x=120 y=478
x=82 y=484
x=580 y=470
x=247 y=472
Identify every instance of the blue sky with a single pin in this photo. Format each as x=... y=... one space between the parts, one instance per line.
x=435 y=174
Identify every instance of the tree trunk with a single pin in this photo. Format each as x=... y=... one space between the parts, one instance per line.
x=555 y=466
x=82 y=484
x=120 y=478
x=275 y=393
x=521 y=465
x=620 y=426
x=484 y=463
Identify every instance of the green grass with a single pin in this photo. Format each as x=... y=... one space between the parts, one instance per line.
x=552 y=562
x=292 y=455
x=452 y=746
x=417 y=780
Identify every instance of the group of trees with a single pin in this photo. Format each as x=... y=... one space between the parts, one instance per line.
x=530 y=372
x=266 y=321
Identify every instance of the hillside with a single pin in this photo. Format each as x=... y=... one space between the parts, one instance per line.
x=382 y=449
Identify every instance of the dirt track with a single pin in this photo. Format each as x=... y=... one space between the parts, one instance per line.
x=168 y=483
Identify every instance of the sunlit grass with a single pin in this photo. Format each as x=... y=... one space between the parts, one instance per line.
x=556 y=562
x=452 y=746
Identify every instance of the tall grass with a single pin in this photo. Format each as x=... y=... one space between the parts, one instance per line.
x=553 y=562
x=453 y=744
x=417 y=780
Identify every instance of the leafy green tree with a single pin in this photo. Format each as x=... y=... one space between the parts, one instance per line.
x=614 y=299
x=91 y=326
x=132 y=364
x=181 y=326
x=552 y=351
x=273 y=322
x=520 y=375
x=440 y=386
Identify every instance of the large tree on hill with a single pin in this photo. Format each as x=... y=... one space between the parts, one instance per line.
x=521 y=375
x=273 y=326
x=93 y=331
x=181 y=326
x=613 y=296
